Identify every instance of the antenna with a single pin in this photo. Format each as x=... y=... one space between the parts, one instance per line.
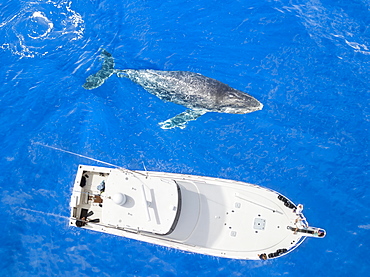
x=145 y=169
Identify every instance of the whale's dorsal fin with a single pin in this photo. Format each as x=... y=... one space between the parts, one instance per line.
x=181 y=119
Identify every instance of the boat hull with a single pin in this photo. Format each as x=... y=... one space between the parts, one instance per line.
x=211 y=216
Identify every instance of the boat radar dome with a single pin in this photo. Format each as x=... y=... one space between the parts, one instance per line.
x=119 y=199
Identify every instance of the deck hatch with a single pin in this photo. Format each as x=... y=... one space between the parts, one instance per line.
x=259 y=224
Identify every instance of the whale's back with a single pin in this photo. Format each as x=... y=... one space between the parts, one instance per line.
x=193 y=90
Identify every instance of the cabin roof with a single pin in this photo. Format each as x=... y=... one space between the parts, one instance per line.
x=128 y=201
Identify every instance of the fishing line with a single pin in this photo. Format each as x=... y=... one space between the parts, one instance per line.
x=79 y=155
x=89 y=158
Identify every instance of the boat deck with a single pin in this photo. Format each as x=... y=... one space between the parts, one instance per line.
x=231 y=220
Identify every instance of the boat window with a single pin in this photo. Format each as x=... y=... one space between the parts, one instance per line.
x=178 y=211
x=83 y=181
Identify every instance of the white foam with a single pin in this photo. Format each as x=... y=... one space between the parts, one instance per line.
x=42 y=19
x=28 y=32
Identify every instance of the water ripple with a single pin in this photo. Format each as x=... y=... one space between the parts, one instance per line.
x=40 y=27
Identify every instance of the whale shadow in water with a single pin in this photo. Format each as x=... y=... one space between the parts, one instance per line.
x=198 y=93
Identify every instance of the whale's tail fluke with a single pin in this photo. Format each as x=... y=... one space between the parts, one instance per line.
x=97 y=79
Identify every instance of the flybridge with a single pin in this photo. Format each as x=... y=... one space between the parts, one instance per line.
x=127 y=201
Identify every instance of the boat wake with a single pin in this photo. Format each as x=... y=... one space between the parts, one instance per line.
x=49 y=215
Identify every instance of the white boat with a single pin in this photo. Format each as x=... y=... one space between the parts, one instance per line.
x=205 y=215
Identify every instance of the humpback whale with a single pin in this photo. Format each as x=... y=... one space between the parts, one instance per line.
x=198 y=93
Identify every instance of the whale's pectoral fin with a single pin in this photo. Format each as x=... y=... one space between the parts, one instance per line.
x=181 y=119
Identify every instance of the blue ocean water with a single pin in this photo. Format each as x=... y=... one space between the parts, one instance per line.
x=307 y=61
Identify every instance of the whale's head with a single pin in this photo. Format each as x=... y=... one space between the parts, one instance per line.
x=238 y=102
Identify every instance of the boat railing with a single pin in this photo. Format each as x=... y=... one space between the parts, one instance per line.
x=309 y=231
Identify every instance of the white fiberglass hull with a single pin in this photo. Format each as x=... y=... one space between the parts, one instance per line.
x=204 y=215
